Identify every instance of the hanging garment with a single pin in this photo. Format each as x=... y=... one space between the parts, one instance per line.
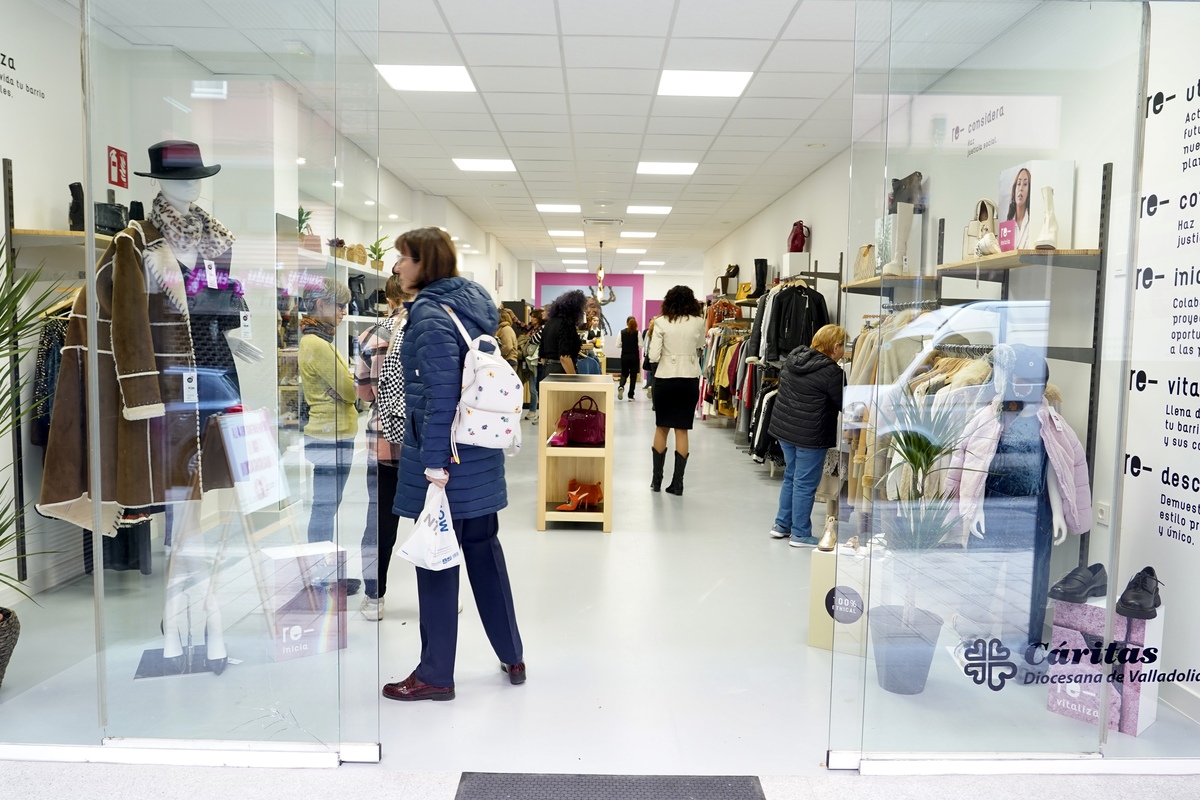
x=45 y=378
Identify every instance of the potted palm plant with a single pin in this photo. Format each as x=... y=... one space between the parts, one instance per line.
x=376 y=253
x=308 y=239
x=905 y=636
x=22 y=305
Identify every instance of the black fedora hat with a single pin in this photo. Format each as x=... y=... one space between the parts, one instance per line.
x=177 y=160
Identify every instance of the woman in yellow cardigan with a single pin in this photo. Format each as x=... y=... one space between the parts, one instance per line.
x=329 y=391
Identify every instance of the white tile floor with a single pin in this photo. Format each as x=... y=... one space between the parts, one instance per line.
x=676 y=644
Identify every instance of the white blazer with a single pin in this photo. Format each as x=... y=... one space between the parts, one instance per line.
x=675 y=347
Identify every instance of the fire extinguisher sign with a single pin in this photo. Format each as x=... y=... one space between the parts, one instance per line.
x=118 y=168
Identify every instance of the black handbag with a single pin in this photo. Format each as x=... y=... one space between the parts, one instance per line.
x=111 y=218
x=358 y=294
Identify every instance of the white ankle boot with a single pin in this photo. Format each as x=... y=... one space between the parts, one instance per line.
x=901 y=229
x=1048 y=238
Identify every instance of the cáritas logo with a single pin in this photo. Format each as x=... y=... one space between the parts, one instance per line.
x=987 y=663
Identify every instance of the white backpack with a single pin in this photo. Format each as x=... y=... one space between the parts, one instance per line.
x=489 y=408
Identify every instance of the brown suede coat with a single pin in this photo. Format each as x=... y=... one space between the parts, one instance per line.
x=149 y=438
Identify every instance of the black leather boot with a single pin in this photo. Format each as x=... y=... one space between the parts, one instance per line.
x=760 y=278
x=676 y=486
x=75 y=213
x=660 y=461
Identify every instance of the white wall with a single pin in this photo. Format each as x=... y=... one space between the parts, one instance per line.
x=821 y=200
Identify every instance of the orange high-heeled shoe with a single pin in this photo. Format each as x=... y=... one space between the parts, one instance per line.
x=574 y=498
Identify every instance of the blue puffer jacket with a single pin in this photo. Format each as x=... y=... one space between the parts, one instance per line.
x=432 y=355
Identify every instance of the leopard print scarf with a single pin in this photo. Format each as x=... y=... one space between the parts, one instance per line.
x=197 y=230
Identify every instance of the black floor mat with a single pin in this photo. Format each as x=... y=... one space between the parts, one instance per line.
x=499 y=786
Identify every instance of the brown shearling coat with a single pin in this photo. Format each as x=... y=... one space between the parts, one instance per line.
x=149 y=438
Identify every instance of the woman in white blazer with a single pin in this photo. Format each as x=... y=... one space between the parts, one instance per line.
x=675 y=347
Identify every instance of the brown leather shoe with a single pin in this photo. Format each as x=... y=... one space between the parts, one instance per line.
x=516 y=672
x=413 y=688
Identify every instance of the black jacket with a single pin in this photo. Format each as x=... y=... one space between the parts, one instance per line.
x=810 y=397
x=559 y=339
x=796 y=315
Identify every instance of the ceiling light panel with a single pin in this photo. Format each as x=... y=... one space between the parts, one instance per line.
x=574 y=261
x=648 y=210
x=560 y=234
x=631 y=251
x=638 y=234
x=572 y=249
x=485 y=164
x=651 y=263
x=644 y=271
x=558 y=208
x=424 y=78
x=666 y=167
x=702 y=83
x=578 y=271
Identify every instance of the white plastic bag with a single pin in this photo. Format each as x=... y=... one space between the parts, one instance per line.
x=432 y=544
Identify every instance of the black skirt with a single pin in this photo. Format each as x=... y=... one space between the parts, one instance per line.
x=675 y=401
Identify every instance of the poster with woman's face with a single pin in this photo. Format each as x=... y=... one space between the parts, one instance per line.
x=1027 y=192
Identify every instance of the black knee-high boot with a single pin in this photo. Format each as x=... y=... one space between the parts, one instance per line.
x=676 y=486
x=660 y=461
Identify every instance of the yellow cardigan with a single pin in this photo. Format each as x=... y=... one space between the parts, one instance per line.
x=328 y=390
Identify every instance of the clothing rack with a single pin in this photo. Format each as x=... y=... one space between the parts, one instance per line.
x=890 y=306
x=972 y=350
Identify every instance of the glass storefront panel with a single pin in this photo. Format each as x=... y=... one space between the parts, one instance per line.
x=980 y=385
x=223 y=595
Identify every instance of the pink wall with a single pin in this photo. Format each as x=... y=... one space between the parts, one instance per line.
x=559 y=282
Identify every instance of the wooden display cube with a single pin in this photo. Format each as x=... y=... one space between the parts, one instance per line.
x=557 y=466
x=836 y=588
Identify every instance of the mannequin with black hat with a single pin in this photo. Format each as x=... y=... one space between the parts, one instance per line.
x=1021 y=479
x=170 y=320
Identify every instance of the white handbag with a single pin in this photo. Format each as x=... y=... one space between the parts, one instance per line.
x=985 y=220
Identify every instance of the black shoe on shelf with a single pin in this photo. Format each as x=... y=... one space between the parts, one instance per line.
x=1140 y=599
x=1081 y=583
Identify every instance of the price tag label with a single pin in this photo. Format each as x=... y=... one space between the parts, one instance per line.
x=191 y=391
x=245 y=324
x=210 y=273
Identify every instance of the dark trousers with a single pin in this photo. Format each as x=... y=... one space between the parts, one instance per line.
x=379 y=538
x=331 y=462
x=437 y=593
x=629 y=371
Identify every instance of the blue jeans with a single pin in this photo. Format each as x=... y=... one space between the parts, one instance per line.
x=331 y=467
x=800 y=480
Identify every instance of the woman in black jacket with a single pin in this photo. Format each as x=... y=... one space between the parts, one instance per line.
x=805 y=423
x=631 y=359
x=561 y=345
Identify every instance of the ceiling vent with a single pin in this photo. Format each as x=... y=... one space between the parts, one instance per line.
x=603 y=223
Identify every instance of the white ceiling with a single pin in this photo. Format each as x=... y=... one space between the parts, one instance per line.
x=566 y=89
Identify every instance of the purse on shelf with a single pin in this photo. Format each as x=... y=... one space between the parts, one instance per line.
x=864 y=263
x=744 y=291
x=984 y=220
x=799 y=237
x=581 y=424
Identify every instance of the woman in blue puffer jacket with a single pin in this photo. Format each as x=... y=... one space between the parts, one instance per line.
x=432 y=354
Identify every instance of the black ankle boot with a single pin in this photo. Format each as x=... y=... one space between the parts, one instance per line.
x=676 y=486
x=660 y=461
x=75 y=212
x=760 y=278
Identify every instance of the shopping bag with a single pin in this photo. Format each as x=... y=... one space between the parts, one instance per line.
x=432 y=544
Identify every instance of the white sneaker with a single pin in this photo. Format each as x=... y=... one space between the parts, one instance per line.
x=777 y=535
x=620 y=392
x=532 y=418
x=372 y=609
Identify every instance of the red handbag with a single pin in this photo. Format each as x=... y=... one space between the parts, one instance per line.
x=799 y=238
x=583 y=422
